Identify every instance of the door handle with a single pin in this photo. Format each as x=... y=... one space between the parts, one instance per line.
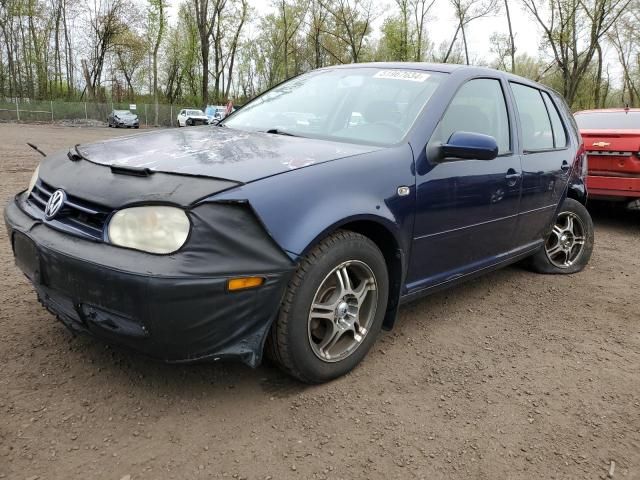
x=512 y=177
x=565 y=166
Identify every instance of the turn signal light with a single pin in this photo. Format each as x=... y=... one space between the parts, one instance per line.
x=243 y=283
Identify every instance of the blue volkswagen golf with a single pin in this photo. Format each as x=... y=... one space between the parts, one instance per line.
x=299 y=224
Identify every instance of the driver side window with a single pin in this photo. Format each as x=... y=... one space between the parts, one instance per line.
x=478 y=107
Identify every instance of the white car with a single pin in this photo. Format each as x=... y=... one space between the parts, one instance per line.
x=191 y=116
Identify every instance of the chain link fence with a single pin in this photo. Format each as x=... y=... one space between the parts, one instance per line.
x=88 y=113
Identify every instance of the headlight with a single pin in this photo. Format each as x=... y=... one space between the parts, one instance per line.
x=34 y=179
x=154 y=229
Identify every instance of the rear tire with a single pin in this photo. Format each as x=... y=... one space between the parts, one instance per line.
x=569 y=245
x=332 y=310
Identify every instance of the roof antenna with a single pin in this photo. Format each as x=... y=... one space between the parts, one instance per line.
x=37 y=149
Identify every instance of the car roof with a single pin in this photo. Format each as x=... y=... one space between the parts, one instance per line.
x=470 y=70
x=432 y=67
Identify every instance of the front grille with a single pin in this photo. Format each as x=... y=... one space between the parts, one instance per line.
x=77 y=216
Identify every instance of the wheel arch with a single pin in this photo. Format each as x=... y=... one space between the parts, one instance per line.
x=577 y=191
x=387 y=241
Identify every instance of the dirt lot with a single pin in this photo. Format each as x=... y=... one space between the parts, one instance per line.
x=516 y=376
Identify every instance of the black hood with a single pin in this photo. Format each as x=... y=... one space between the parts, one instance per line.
x=217 y=152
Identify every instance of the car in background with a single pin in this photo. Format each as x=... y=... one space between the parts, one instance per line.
x=293 y=230
x=190 y=116
x=612 y=140
x=215 y=112
x=123 y=118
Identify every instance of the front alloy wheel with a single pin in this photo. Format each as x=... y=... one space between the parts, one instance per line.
x=342 y=311
x=332 y=310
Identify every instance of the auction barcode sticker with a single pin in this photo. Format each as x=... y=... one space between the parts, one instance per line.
x=410 y=75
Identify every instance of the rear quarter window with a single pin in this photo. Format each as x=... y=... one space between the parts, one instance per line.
x=559 y=131
x=572 y=126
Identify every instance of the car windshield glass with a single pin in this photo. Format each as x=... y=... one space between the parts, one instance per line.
x=609 y=120
x=359 y=104
x=195 y=112
x=123 y=113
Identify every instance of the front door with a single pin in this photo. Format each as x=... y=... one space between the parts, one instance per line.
x=466 y=209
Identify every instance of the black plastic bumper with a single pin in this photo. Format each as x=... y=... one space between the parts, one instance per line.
x=147 y=302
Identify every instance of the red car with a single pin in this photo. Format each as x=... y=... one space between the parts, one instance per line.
x=612 y=140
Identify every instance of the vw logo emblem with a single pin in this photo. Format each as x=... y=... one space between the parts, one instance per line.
x=55 y=204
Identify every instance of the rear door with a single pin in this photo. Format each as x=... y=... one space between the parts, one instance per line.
x=467 y=209
x=546 y=161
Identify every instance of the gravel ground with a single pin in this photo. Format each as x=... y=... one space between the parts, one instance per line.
x=514 y=375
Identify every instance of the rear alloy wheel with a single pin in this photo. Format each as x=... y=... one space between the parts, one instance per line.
x=333 y=309
x=569 y=244
x=566 y=242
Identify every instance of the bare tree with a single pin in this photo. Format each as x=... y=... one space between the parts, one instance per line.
x=625 y=39
x=573 y=30
x=317 y=25
x=207 y=12
x=106 y=24
x=130 y=50
x=466 y=11
x=421 y=9
x=352 y=22
x=233 y=50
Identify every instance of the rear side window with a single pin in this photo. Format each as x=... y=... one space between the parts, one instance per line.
x=559 y=134
x=534 y=119
x=479 y=107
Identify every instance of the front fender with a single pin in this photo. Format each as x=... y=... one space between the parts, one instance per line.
x=301 y=206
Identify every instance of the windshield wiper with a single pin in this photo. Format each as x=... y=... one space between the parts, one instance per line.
x=277 y=131
x=74 y=155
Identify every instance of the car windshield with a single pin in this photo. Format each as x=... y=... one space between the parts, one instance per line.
x=195 y=112
x=360 y=105
x=608 y=120
x=123 y=113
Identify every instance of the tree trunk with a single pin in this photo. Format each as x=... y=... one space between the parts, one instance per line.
x=464 y=41
x=512 y=45
x=596 y=99
x=87 y=78
x=68 y=51
x=156 y=47
x=453 y=42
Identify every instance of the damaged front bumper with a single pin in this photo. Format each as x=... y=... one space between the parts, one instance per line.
x=173 y=307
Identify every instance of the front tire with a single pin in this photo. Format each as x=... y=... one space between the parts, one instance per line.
x=569 y=245
x=333 y=309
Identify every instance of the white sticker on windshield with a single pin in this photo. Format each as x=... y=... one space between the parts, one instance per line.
x=410 y=75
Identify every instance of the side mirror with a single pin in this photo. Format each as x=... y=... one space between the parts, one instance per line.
x=470 y=146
